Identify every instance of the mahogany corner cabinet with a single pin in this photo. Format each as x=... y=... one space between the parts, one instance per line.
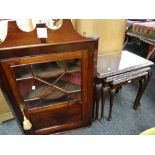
x=49 y=79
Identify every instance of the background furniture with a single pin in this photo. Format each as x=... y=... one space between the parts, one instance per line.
x=117 y=69
x=49 y=80
x=144 y=31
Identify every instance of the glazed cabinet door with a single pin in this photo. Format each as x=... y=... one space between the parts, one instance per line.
x=50 y=89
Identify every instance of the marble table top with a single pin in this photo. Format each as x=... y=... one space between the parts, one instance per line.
x=119 y=62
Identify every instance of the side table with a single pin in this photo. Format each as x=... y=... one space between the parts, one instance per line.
x=115 y=70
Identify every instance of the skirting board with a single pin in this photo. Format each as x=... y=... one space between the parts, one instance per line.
x=5 y=117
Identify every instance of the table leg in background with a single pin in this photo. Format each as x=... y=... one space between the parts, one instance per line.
x=104 y=91
x=97 y=98
x=112 y=96
x=143 y=83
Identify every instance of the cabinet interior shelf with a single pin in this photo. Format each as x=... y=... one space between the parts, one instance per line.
x=58 y=90
x=61 y=92
x=46 y=71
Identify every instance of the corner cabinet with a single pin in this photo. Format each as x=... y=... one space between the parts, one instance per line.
x=49 y=81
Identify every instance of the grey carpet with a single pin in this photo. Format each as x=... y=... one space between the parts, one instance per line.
x=126 y=121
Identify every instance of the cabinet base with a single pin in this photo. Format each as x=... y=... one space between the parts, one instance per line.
x=63 y=128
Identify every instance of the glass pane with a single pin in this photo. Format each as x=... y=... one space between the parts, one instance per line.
x=75 y=96
x=48 y=69
x=22 y=72
x=73 y=65
x=48 y=83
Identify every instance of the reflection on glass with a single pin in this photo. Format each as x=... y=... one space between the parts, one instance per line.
x=54 y=23
x=49 y=83
x=3 y=30
x=26 y=25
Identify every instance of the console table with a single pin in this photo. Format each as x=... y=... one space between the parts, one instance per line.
x=115 y=70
